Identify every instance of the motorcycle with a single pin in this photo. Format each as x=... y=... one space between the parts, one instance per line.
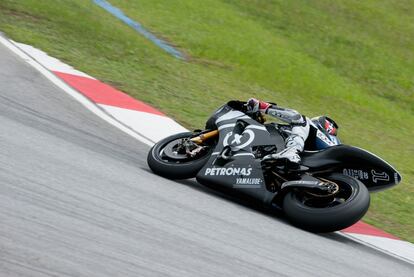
x=329 y=191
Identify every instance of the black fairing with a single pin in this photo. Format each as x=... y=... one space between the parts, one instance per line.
x=371 y=170
x=242 y=174
x=232 y=105
x=240 y=171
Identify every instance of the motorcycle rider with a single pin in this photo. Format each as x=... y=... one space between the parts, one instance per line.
x=300 y=128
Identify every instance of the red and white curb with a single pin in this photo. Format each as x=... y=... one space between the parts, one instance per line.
x=150 y=125
x=380 y=240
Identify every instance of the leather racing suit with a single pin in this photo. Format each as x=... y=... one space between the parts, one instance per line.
x=295 y=142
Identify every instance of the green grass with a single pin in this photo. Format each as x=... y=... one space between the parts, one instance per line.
x=352 y=60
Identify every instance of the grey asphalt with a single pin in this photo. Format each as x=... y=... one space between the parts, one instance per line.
x=77 y=199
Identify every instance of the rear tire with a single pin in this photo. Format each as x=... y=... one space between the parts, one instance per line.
x=175 y=169
x=329 y=218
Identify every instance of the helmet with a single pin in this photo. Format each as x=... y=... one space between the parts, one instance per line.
x=326 y=125
x=326 y=135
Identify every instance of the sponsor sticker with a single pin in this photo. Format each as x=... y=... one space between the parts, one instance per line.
x=229 y=171
x=363 y=175
x=356 y=173
x=248 y=181
x=324 y=138
x=396 y=177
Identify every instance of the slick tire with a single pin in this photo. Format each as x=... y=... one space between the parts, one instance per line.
x=174 y=169
x=330 y=218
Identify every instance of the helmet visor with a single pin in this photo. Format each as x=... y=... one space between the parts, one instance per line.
x=330 y=127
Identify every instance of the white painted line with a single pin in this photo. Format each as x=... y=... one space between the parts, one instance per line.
x=399 y=249
x=49 y=62
x=75 y=94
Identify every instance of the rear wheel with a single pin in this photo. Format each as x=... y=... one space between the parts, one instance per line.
x=169 y=157
x=321 y=213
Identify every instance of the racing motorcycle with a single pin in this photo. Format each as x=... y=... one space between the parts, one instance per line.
x=329 y=191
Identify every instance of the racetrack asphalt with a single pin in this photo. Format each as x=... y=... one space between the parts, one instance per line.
x=77 y=199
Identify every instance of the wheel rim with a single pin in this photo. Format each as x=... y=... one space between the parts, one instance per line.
x=171 y=152
x=345 y=193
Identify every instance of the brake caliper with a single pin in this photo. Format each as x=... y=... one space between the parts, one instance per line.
x=190 y=148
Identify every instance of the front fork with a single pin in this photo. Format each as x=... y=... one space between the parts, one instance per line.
x=206 y=136
x=194 y=146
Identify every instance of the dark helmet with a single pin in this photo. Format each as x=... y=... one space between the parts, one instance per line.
x=326 y=125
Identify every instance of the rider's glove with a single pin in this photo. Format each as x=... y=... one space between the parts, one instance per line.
x=254 y=105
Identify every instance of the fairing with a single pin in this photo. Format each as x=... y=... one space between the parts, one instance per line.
x=371 y=170
x=242 y=174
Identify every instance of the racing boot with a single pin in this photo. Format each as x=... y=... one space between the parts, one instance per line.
x=291 y=152
x=295 y=143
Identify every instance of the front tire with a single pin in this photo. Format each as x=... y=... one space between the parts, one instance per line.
x=175 y=167
x=337 y=215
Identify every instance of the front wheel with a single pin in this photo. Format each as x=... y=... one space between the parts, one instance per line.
x=169 y=159
x=328 y=214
